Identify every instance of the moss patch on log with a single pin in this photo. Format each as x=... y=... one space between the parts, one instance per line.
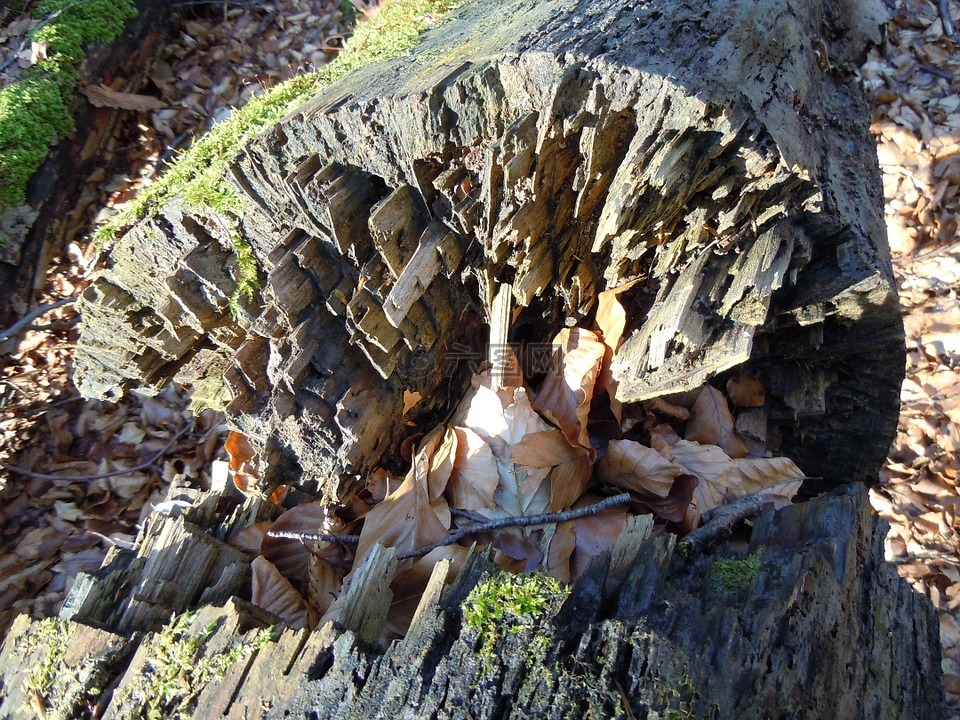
x=736 y=575
x=35 y=111
x=197 y=176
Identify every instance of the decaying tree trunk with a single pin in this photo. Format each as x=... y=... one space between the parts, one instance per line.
x=56 y=196
x=819 y=627
x=719 y=151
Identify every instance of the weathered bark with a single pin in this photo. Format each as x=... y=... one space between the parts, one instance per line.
x=57 y=197
x=718 y=149
x=824 y=628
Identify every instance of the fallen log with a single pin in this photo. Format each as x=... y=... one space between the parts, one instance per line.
x=57 y=196
x=717 y=152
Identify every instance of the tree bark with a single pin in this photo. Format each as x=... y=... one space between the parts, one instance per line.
x=817 y=626
x=58 y=195
x=718 y=150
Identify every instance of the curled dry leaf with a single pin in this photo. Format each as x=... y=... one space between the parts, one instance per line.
x=717 y=475
x=323 y=584
x=711 y=423
x=568 y=468
x=291 y=556
x=410 y=400
x=250 y=538
x=243 y=462
x=103 y=96
x=274 y=593
x=576 y=543
x=630 y=466
x=745 y=391
x=475 y=476
x=778 y=475
x=405 y=520
x=565 y=395
x=612 y=320
x=409 y=585
x=502 y=420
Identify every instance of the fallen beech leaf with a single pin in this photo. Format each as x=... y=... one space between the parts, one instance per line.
x=517 y=552
x=323 y=584
x=250 y=538
x=274 y=593
x=712 y=424
x=676 y=505
x=434 y=462
x=716 y=472
x=778 y=474
x=405 y=520
x=628 y=465
x=568 y=467
x=243 y=462
x=502 y=420
x=595 y=534
x=410 y=400
x=665 y=407
x=102 y=96
x=475 y=476
x=290 y=556
x=409 y=585
x=611 y=319
x=562 y=544
x=745 y=391
x=565 y=395
x=663 y=437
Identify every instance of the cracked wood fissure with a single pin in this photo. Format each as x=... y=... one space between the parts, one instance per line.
x=560 y=148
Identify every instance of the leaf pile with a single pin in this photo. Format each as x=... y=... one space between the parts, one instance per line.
x=513 y=454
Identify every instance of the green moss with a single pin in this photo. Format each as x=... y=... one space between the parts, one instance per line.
x=44 y=678
x=736 y=575
x=35 y=111
x=509 y=601
x=177 y=669
x=197 y=175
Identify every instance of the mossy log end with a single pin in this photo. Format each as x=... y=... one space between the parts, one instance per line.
x=57 y=195
x=808 y=622
x=718 y=149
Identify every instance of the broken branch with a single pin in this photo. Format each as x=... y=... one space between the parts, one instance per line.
x=721 y=521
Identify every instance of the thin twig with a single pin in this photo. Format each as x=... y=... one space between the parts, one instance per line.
x=74 y=478
x=23 y=323
x=721 y=521
x=314 y=537
x=479 y=527
x=943 y=7
x=544 y=519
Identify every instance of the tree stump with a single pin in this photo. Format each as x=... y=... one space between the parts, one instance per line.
x=719 y=152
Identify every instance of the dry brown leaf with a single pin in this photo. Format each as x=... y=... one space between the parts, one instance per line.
x=568 y=468
x=565 y=395
x=102 y=96
x=711 y=423
x=562 y=544
x=250 y=538
x=718 y=476
x=410 y=400
x=475 y=476
x=409 y=585
x=628 y=465
x=323 y=584
x=243 y=462
x=291 y=556
x=745 y=391
x=517 y=552
x=611 y=319
x=595 y=535
x=778 y=475
x=274 y=593
x=405 y=520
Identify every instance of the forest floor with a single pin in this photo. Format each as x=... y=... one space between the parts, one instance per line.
x=79 y=476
